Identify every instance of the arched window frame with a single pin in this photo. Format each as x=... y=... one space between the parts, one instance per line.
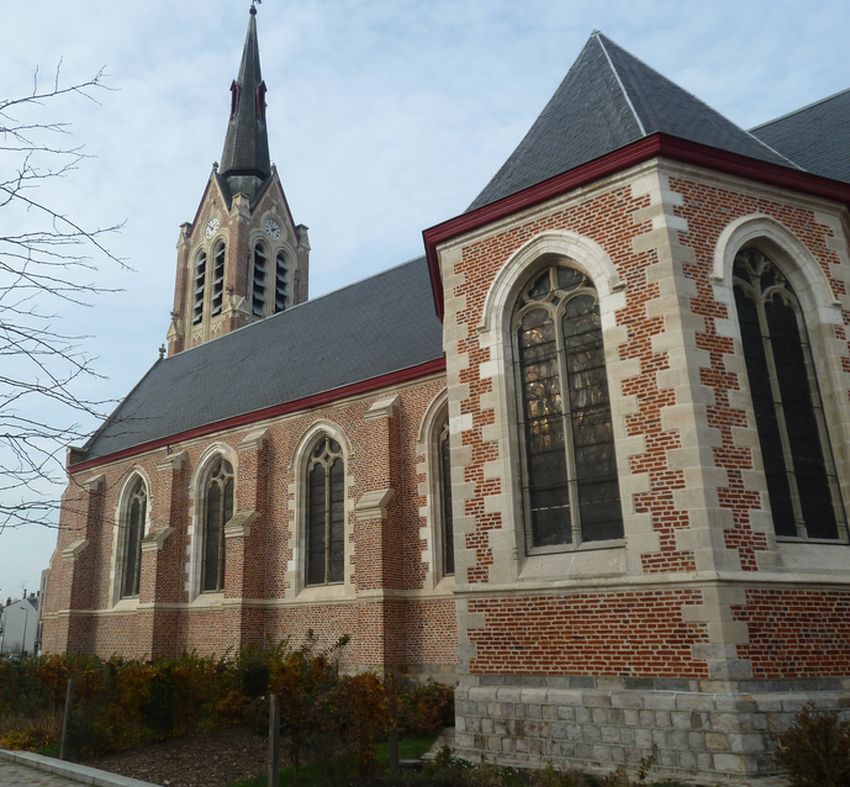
x=760 y=238
x=137 y=478
x=564 y=284
x=437 y=532
x=297 y=568
x=512 y=562
x=198 y=496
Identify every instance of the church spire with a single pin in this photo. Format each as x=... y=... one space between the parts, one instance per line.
x=245 y=160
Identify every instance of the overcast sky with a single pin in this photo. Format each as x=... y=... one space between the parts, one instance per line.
x=385 y=117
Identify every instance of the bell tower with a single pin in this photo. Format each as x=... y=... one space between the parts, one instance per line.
x=242 y=258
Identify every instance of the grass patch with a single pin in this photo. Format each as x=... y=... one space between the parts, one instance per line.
x=409 y=748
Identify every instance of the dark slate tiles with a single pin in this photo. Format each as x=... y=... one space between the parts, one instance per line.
x=817 y=137
x=608 y=100
x=380 y=325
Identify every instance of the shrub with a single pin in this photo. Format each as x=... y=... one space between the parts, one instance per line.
x=815 y=750
x=426 y=708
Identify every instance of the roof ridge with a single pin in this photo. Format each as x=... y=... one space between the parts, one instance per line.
x=804 y=108
x=598 y=36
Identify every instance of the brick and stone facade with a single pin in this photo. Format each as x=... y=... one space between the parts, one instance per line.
x=698 y=633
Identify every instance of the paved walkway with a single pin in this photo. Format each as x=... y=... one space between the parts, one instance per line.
x=23 y=769
x=22 y=776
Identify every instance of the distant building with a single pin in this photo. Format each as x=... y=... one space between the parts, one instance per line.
x=589 y=458
x=19 y=625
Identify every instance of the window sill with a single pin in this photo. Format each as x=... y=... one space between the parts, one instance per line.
x=312 y=593
x=208 y=598
x=798 y=555
x=596 y=559
x=128 y=604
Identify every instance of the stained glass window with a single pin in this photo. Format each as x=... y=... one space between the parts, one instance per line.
x=445 y=495
x=802 y=483
x=218 y=510
x=325 y=513
x=134 y=522
x=569 y=472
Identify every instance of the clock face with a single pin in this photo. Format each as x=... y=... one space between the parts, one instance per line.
x=272 y=229
x=212 y=228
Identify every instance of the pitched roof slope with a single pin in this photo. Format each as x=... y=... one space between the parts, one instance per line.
x=607 y=100
x=379 y=325
x=816 y=136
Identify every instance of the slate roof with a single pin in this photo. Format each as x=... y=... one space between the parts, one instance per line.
x=817 y=136
x=245 y=163
x=608 y=100
x=379 y=325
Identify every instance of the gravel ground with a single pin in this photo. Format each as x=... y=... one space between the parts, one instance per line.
x=210 y=759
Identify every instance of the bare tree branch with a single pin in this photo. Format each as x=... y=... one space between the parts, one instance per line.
x=49 y=259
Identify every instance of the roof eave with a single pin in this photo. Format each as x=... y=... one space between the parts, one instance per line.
x=359 y=387
x=651 y=146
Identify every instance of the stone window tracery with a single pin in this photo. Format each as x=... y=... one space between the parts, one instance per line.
x=325 y=513
x=217 y=511
x=568 y=467
x=800 y=471
x=135 y=513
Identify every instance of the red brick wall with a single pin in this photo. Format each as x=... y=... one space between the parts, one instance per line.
x=796 y=633
x=383 y=555
x=628 y=633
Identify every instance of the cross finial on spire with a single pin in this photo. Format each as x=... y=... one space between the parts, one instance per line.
x=253 y=10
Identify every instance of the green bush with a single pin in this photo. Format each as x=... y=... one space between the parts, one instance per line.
x=815 y=750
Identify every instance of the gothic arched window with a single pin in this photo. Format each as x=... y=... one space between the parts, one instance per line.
x=445 y=494
x=569 y=471
x=280 y=282
x=325 y=517
x=258 y=288
x=199 y=284
x=217 y=511
x=218 y=279
x=135 y=511
x=802 y=484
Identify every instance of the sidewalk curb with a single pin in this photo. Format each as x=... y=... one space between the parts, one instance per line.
x=71 y=770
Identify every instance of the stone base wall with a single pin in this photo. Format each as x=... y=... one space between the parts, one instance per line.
x=584 y=721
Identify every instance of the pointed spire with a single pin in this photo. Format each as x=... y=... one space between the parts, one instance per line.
x=245 y=159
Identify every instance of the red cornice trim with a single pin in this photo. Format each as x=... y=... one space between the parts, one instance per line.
x=304 y=403
x=636 y=153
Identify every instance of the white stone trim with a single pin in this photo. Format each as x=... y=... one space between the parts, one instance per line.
x=373 y=505
x=73 y=550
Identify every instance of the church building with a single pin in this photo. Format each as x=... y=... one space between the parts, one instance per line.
x=587 y=459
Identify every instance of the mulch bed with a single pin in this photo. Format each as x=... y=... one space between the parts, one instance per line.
x=209 y=759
